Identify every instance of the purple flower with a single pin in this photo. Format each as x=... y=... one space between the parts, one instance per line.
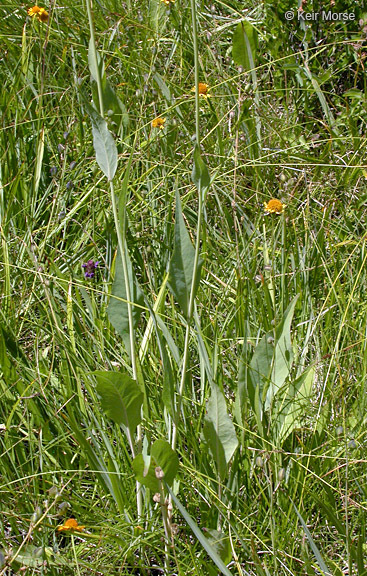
x=90 y=267
x=53 y=170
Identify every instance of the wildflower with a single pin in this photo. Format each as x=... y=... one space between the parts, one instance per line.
x=203 y=90
x=158 y=122
x=40 y=13
x=167 y=2
x=70 y=525
x=53 y=170
x=274 y=206
x=90 y=267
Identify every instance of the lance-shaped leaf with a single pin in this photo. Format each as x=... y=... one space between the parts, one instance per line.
x=200 y=536
x=104 y=144
x=294 y=404
x=283 y=354
x=219 y=431
x=161 y=456
x=112 y=105
x=181 y=268
x=245 y=45
x=121 y=398
x=200 y=174
x=117 y=309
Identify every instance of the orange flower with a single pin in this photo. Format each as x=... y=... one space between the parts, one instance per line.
x=40 y=13
x=158 y=122
x=70 y=525
x=203 y=90
x=274 y=206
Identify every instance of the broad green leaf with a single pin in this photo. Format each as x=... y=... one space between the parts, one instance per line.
x=156 y=15
x=161 y=456
x=121 y=398
x=114 y=109
x=219 y=431
x=245 y=44
x=181 y=268
x=104 y=144
x=200 y=536
x=258 y=374
x=269 y=367
x=95 y=62
x=288 y=415
x=162 y=85
x=112 y=105
x=200 y=174
x=221 y=544
x=117 y=310
x=283 y=354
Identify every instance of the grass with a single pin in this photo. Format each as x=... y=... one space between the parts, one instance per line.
x=247 y=389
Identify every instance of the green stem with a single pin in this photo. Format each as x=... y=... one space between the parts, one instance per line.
x=93 y=55
x=196 y=66
x=198 y=234
x=121 y=239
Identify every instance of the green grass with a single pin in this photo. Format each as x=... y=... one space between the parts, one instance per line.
x=254 y=377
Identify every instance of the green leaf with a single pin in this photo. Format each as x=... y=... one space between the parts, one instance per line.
x=288 y=414
x=121 y=398
x=269 y=367
x=114 y=108
x=200 y=536
x=257 y=376
x=245 y=44
x=104 y=144
x=117 y=310
x=219 y=431
x=319 y=559
x=221 y=544
x=200 y=174
x=95 y=62
x=181 y=268
x=162 y=85
x=283 y=354
x=161 y=456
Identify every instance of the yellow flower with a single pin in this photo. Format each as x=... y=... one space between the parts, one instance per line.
x=167 y=2
x=40 y=13
x=203 y=90
x=274 y=206
x=70 y=525
x=158 y=122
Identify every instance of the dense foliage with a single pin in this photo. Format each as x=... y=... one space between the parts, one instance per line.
x=183 y=323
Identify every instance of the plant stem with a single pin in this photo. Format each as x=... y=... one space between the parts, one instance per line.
x=198 y=233
x=121 y=239
x=93 y=55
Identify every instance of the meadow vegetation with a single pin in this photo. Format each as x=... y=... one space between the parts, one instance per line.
x=183 y=319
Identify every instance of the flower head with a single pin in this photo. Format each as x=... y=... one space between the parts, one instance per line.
x=90 y=267
x=167 y=2
x=158 y=122
x=274 y=206
x=70 y=525
x=40 y=13
x=203 y=90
